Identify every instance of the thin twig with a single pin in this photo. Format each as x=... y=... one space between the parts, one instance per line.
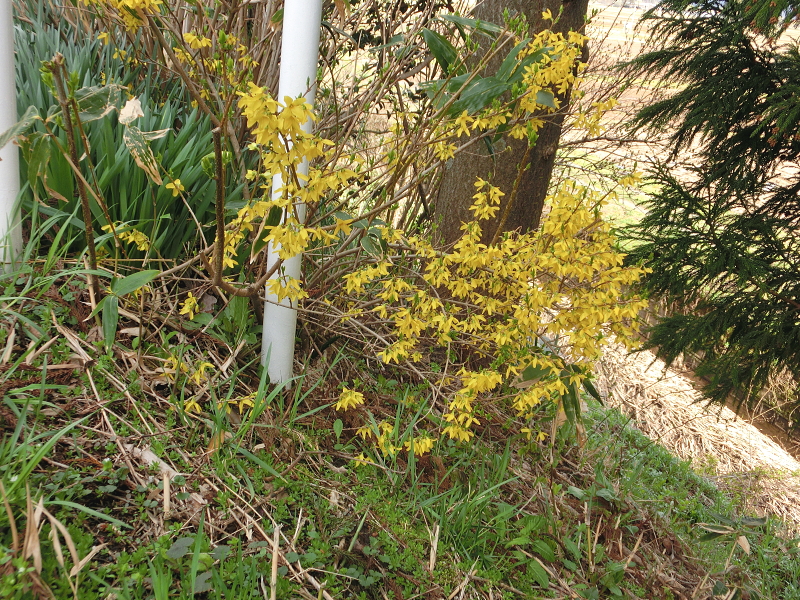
x=58 y=70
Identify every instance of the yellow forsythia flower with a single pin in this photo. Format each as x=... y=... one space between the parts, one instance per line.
x=349 y=399
x=176 y=187
x=361 y=460
x=420 y=445
x=631 y=180
x=462 y=123
x=191 y=405
x=131 y=236
x=190 y=306
x=364 y=432
x=200 y=373
x=196 y=42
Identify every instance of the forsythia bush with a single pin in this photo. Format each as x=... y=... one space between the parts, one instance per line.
x=532 y=309
x=541 y=303
x=536 y=301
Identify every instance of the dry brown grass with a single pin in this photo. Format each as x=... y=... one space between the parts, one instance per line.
x=665 y=405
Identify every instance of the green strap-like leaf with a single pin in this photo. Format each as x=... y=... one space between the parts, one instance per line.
x=591 y=390
x=478 y=95
x=538 y=574
x=442 y=50
x=473 y=24
x=38 y=156
x=20 y=126
x=131 y=283
x=110 y=320
x=516 y=74
x=97 y=101
x=510 y=62
x=546 y=98
x=393 y=41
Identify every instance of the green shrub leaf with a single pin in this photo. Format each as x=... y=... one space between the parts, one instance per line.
x=131 y=283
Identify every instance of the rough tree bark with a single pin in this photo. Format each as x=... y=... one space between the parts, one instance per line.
x=452 y=204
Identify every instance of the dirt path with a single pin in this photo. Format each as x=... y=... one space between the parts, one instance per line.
x=663 y=403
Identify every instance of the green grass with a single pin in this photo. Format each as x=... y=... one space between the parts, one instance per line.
x=617 y=518
x=508 y=517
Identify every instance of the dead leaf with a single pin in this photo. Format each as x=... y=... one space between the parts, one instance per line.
x=32 y=356
x=742 y=541
x=207 y=302
x=148 y=458
x=95 y=334
x=84 y=561
x=74 y=342
x=341 y=9
x=9 y=349
x=74 y=363
x=131 y=111
x=523 y=385
x=217 y=440
x=57 y=546
x=58 y=525
x=131 y=331
x=580 y=433
x=31 y=546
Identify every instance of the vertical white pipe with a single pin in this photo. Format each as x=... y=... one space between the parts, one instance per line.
x=10 y=234
x=302 y=20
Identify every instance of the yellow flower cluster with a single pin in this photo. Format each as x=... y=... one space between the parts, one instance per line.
x=196 y=42
x=631 y=180
x=523 y=302
x=279 y=137
x=349 y=399
x=190 y=307
x=129 y=235
x=199 y=376
x=220 y=57
x=590 y=120
x=420 y=445
x=486 y=204
x=128 y=10
x=242 y=403
x=554 y=74
x=565 y=282
x=174 y=366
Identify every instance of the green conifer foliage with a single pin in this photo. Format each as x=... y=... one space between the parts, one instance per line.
x=722 y=242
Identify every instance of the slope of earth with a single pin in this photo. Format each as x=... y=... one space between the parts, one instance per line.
x=665 y=405
x=749 y=459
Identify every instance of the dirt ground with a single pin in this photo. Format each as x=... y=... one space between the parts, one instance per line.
x=665 y=404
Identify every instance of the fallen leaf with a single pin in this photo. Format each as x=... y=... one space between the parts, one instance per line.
x=742 y=541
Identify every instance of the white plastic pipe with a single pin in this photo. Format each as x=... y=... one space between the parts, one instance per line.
x=10 y=234
x=302 y=20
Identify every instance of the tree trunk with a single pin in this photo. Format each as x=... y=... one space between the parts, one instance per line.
x=457 y=187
